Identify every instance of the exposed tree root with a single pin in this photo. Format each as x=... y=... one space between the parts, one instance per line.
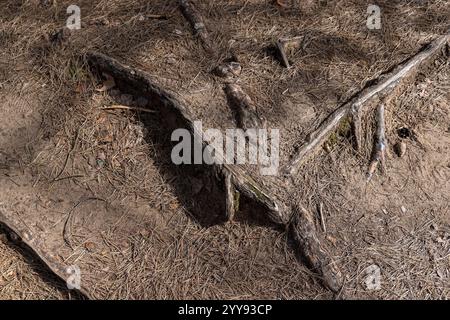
x=303 y=231
x=194 y=17
x=139 y=82
x=231 y=197
x=379 y=152
x=356 y=106
x=285 y=44
x=247 y=115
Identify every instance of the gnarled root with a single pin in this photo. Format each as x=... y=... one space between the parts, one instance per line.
x=303 y=231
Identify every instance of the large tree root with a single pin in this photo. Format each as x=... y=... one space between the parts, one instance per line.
x=356 y=106
x=194 y=17
x=234 y=178
x=139 y=82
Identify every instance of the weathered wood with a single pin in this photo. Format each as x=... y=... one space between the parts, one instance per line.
x=165 y=103
x=304 y=234
x=284 y=44
x=38 y=246
x=231 y=197
x=384 y=85
x=194 y=17
x=245 y=109
x=356 y=128
x=380 y=144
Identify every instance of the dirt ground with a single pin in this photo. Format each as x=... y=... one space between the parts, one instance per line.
x=101 y=180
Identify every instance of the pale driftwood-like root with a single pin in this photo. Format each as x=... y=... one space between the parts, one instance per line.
x=285 y=44
x=244 y=107
x=379 y=152
x=356 y=128
x=304 y=234
x=384 y=85
x=194 y=17
x=141 y=83
x=230 y=197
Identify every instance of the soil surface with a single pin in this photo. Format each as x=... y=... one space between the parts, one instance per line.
x=96 y=188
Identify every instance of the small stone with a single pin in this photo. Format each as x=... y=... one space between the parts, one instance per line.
x=90 y=246
x=400 y=148
x=403 y=209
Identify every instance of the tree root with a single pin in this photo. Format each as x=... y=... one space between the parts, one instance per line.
x=303 y=231
x=379 y=151
x=142 y=84
x=356 y=106
x=247 y=114
x=194 y=17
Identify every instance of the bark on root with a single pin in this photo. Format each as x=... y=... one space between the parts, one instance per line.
x=304 y=234
x=380 y=144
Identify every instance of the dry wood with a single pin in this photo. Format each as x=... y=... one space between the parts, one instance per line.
x=284 y=44
x=384 y=85
x=379 y=152
x=231 y=197
x=245 y=109
x=357 y=128
x=194 y=17
x=303 y=231
x=142 y=84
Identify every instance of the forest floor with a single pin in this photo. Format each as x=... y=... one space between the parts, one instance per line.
x=97 y=186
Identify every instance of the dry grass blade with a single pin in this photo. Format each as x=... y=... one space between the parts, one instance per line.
x=121 y=107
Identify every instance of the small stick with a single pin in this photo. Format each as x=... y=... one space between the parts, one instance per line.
x=379 y=153
x=120 y=107
x=322 y=219
x=194 y=17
